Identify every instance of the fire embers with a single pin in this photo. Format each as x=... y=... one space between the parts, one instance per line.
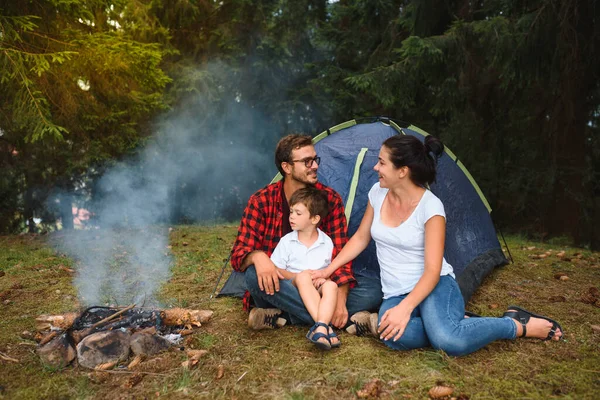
x=103 y=337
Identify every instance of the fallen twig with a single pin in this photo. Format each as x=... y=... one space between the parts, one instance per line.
x=27 y=344
x=7 y=358
x=131 y=372
x=240 y=378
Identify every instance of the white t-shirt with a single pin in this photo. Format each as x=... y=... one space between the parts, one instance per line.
x=292 y=255
x=401 y=249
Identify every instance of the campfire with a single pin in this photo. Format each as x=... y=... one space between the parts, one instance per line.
x=103 y=337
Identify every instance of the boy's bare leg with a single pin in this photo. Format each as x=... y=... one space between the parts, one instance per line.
x=311 y=298
x=309 y=294
x=327 y=305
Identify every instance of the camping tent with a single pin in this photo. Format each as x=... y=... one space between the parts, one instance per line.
x=349 y=152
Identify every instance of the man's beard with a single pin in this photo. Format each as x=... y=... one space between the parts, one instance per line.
x=305 y=178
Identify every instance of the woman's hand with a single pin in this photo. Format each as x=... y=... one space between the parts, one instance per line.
x=394 y=321
x=318 y=282
x=318 y=274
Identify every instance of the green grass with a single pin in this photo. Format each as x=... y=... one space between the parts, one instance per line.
x=282 y=364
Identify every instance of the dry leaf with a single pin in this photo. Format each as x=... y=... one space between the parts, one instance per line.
x=564 y=278
x=532 y=264
x=437 y=392
x=559 y=275
x=66 y=269
x=220 y=371
x=493 y=306
x=371 y=390
x=588 y=298
x=595 y=328
x=594 y=291
x=133 y=380
x=189 y=364
x=557 y=299
x=97 y=377
x=560 y=254
x=185 y=332
x=27 y=335
x=531 y=248
x=196 y=354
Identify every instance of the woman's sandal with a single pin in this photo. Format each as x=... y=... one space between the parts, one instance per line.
x=333 y=335
x=314 y=337
x=523 y=317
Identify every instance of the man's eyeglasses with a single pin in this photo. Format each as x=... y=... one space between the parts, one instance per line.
x=308 y=162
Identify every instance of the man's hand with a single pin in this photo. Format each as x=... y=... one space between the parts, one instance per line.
x=267 y=273
x=340 y=314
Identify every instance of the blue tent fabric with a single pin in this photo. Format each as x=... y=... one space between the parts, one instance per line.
x=472 y=247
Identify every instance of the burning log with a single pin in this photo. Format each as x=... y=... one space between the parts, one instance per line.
x=79 y=335
x=185 y=317
x=48 y=322
x=104 y=336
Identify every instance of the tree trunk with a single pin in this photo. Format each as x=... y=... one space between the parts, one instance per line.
x=29 y=209
x=66 y=211
x=576 y=85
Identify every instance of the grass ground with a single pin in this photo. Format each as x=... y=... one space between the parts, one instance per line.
x=282 y=364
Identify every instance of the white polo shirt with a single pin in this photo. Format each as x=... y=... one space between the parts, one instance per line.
x=292 y=255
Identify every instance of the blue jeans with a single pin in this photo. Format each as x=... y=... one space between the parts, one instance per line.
x=365 y=296
x=439 y=322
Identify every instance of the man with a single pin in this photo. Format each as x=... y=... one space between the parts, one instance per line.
x=266 y=220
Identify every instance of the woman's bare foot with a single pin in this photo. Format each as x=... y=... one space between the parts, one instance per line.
x=537 y=328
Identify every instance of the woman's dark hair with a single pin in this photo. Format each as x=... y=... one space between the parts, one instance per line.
x=421 y=159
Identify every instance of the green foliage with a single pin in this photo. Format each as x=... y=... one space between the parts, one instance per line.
x=511 y=87
x=75 y=91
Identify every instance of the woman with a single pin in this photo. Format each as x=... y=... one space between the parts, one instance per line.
x=422 y=304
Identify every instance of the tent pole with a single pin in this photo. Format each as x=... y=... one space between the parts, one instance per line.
x=506 y=245
x=220 y=276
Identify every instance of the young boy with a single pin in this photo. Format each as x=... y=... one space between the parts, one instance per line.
x=308 y=248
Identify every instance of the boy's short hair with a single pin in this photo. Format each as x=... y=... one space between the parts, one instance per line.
x=289 y=143
x=314 y=199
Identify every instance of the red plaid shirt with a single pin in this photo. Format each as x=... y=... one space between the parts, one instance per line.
x=261 y=229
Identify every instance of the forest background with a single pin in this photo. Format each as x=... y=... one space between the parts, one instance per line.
x=186 y=99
